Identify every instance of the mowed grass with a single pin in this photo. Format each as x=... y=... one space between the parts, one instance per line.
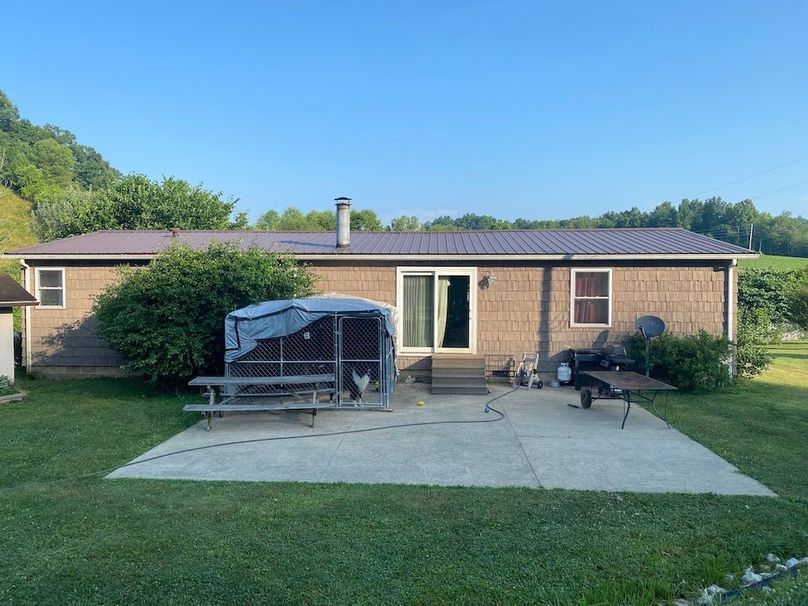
x=96 y=541
x=775 y=262
x=761 y=425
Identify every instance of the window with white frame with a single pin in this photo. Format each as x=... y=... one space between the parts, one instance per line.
x=50 y=285
x=438 y=309
x=591 y=297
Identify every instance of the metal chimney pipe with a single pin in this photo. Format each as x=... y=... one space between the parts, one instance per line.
x=343 y=221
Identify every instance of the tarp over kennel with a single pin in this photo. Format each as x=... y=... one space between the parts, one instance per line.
x=351 y=337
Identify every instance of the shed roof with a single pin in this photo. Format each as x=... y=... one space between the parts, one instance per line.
x=560 y=243
x=14 y=295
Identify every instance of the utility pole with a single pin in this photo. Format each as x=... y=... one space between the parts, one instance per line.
x=751 y=229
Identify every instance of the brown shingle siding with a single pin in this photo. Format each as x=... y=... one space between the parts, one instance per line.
x=527 y=308
x=68 y=337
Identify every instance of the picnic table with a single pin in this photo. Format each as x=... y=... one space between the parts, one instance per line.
x=621 y=384
x=294 y=386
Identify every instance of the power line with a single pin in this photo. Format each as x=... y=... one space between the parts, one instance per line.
x=777 y=191
x=762 y=172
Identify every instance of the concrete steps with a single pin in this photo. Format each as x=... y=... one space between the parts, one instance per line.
x=462 y=374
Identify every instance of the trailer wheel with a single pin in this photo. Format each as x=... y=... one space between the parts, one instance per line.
x=586 y=397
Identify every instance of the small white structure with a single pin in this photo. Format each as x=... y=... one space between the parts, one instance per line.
x=11 y=295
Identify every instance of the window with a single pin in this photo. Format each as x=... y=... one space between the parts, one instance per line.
x=591 y=297
x=437 y=309
x=51 y=287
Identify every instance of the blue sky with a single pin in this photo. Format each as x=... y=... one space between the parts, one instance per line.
x=539 y=110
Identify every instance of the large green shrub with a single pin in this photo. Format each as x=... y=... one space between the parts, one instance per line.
x=697 y=362
x=798 y=302
x=755 y=330
x=768 y=289
x=167 y=319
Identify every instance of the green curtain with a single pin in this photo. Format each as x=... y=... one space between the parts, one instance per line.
x=443 y=308
x=418 y=311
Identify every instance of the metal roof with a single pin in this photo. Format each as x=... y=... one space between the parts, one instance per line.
x=506 y=243
x=14 y=295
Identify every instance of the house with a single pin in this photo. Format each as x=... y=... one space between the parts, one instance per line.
x=493 y=294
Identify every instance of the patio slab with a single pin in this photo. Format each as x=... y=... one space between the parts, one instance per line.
x=543 y=441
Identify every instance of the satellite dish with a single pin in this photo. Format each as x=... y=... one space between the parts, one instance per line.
x=650 y=326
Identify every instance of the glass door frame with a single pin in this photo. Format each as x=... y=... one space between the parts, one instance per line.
x=437 y=272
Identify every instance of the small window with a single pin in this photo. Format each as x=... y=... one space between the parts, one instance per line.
x=591 y=297
x=51 y=287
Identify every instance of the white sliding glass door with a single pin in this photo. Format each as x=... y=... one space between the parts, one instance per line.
x=438 y=309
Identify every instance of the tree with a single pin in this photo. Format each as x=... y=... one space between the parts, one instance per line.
x=268 y=221
x=321 y=220
x=45 y=160
x=55 y=161
x=9 y=114
x=767 y=289
x=405 y=223
x=134 y=202
x=65 y=215
x=293 y=219
x=241 y=221
x=664 y=215
x=633 y=217
x=167 y=319
x=92 y=172
x=363 y=220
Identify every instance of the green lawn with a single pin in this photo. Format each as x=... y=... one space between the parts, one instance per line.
x=775 y=262
x=97 y=541
x=760 y=426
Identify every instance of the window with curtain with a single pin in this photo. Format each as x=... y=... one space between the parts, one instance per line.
x=591 y=293
x=418 y=310
x=51 y=287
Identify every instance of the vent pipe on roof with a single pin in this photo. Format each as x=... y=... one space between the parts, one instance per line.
x=343 y=221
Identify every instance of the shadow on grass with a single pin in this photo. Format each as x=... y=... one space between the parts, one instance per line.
x=798 y=356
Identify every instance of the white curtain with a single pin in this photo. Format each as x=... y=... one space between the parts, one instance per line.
x=418 y=311
x=443 y=308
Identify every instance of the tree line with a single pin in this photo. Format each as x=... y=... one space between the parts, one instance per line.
x=782 y=234
x=74 y=190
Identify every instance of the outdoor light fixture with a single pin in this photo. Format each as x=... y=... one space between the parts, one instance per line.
x=487 y=280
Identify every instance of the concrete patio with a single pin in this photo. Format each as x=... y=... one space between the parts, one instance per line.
x=541 y=442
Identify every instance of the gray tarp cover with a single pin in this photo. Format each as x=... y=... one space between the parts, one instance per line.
x=244 y=327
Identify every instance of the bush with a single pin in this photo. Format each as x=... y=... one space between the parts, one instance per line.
x=768 y=289
x=798 y=302
x=755 y=330
x=167 y=319
x=697 y=362
x=6 y=388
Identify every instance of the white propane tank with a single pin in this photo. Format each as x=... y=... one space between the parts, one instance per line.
x=564 y=373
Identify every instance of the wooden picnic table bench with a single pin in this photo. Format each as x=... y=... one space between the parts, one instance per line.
x=294 y=385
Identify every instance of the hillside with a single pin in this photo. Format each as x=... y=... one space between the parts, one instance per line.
x=776 y=262
x=16 y=229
